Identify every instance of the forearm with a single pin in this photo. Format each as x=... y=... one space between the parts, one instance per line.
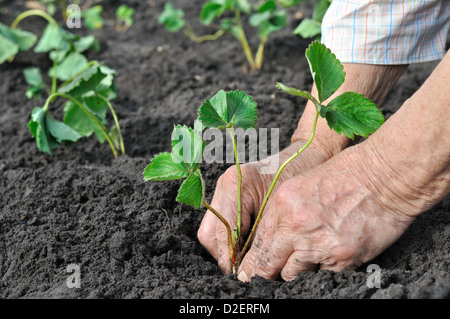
x=373 y=81
x=412 y=149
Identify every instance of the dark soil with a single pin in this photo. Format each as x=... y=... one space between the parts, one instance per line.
x=132 y=239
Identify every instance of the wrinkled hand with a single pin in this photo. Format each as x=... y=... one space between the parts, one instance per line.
x=212 y=233
x=327 y=217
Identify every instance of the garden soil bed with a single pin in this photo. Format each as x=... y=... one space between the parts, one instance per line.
x=132 y=239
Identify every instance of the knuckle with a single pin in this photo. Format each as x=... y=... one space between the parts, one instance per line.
x=231 y=174
x=342 y=256
x=286 y=200
x=284 y=195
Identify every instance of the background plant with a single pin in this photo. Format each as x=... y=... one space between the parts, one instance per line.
x=87 y=86
x=349 y=114
x=124 y=17
x=309 y=27
x=267 y=18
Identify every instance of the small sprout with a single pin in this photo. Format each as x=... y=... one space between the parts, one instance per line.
x=268 y=19
x=124 y=17
x=349 y=113
x=93 y=18
x=172 y=18
x=182 y=162
x=312 y=28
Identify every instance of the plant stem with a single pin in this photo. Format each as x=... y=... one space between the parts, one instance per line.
x=199 y=39
x=239 y=192
x=93 y=118
x=313 y=132
x=243 y=40
x=33 y=12
x=89 y=64
x=54 y=80
x=260 y=53
x=50 y=20
x=116 y=121
x=223 y=220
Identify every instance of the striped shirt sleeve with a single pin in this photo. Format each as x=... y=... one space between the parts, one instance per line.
x=387 y=31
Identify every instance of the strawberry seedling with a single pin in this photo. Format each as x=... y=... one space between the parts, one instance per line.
x=309 y=27
x=93 y=17
x=124 y=17
x=267 y=17
x=349 y=114
x=87 y=86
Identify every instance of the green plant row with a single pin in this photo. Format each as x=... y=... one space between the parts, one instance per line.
x=86 y=86
x=267 y=17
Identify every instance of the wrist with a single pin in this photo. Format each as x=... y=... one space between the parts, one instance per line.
x=405 y=183
x=326 y=141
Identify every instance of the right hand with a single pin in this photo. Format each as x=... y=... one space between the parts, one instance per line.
x=212 y=233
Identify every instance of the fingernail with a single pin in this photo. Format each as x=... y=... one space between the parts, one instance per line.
x=242 y=276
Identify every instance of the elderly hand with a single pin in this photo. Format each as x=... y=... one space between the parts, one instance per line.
x=212 y=233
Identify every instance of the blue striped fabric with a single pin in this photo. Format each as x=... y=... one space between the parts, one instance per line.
x=387 y=31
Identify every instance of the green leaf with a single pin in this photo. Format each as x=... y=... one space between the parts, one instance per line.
x=60 y=54
x=289 y=3
x=125 y=14
x=191 y=192
x=172 y=18
x=353 y=114
x=320 y=9
x=92 y=17
x=8 y=49
x=243 y=5
x=268 y=19
x=24 y=39
x=71 y=65
x=60 y=131
x=33 y=77
x=51 y=39
x=198 y=126
x=86 y=81
x=228 y=109
x=86 y=43
x=48 y=132
x=187 y=146
x=241 y=110
x=230 y=26
x=211 y=10
x=163 y=168
x=81 y=122
x=38 y=129
x=308 y=28
x=213 y=112
x=327 y=72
